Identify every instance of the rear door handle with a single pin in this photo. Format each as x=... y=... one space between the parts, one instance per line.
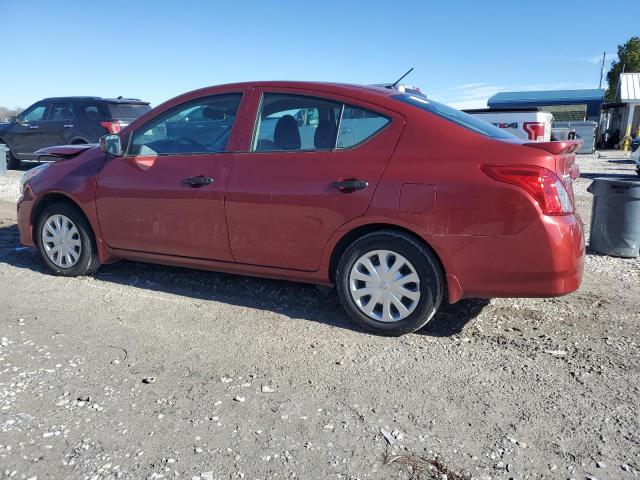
x=68 y=125
x=198 y=181
x=33 y=127
x=348 y=186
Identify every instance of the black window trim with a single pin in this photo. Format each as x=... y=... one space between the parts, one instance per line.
x=343 y=104
x=177 y=109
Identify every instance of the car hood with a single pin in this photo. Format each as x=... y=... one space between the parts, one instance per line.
x=63 y=152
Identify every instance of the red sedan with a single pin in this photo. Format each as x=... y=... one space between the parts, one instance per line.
x=399 y=201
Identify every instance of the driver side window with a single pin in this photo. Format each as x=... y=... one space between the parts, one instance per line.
x=34 y=114
x=198 y=127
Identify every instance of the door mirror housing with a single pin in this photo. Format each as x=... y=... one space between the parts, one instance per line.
x=12 y=119
x=111 y=144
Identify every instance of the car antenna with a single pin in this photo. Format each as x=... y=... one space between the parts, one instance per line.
x=398 y=81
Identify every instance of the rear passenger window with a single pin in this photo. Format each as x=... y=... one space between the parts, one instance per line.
x=295 y=122
x=358 y=125
x=60 y=112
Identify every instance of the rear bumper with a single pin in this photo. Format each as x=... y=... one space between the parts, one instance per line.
x=546 y=259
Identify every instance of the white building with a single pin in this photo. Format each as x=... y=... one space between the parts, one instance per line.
x=628 y=94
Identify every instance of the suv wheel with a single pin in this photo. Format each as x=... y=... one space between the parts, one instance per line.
x=66 y=242
x=389 y=283
x=13 y=163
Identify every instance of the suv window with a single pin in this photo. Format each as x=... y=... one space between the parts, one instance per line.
x=200 y=126
x=357 y=125
x=60 y=111
x=296 y=122
x=34 y=114
x=91 y=111
x=127 y=111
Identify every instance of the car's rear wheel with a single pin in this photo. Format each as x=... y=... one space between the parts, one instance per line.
x=389 y=282
x=66 y=241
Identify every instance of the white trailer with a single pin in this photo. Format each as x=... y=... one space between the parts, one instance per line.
x=527 y=123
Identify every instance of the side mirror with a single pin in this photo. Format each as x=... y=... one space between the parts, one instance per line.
x=111 y=144
x=12 y=119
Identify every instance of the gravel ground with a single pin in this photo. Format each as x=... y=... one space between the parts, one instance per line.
x=149 y=372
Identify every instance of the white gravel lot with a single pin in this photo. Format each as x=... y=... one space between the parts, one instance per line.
x=10 y=185
x=152 y=372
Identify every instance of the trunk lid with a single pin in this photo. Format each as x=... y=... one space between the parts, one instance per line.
x=565 y=156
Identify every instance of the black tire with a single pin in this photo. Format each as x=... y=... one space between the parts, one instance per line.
x=425 y=264
x=88 y=261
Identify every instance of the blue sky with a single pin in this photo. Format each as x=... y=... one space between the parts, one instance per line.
x=462 y=52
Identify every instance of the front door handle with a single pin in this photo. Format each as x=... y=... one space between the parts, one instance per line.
x=198 y=181
x=33 y=127
x=348 y=186
x=68 y=125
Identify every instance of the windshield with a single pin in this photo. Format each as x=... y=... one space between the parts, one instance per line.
x=456 y=116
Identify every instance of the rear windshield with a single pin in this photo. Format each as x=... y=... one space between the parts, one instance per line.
x=456 y=116
x=127 y=111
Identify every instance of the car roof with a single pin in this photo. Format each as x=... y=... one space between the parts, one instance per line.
x=101 y=99
x=321 y=86
x=305 y=83
x=366 y=93
x=361 y=92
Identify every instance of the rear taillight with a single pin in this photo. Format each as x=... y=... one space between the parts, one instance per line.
x=542 y=184
x=112 y=127
x=535 y=130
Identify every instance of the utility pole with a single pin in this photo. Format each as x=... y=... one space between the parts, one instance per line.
x=604 y=54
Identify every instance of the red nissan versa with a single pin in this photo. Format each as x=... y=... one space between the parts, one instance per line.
x=399 y=201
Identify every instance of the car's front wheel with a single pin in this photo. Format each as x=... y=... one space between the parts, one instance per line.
x=389 y=282
x=66 y=241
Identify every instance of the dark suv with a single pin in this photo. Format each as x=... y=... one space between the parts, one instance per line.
x=65 y=121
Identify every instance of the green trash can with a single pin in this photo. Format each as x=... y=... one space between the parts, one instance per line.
x=3 y=158
x=615 y=217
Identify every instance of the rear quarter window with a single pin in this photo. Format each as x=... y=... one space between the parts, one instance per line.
x=357 y=125
x=455 y=116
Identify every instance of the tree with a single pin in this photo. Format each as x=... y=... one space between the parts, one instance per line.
x=6 y=112
x=629 y=57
